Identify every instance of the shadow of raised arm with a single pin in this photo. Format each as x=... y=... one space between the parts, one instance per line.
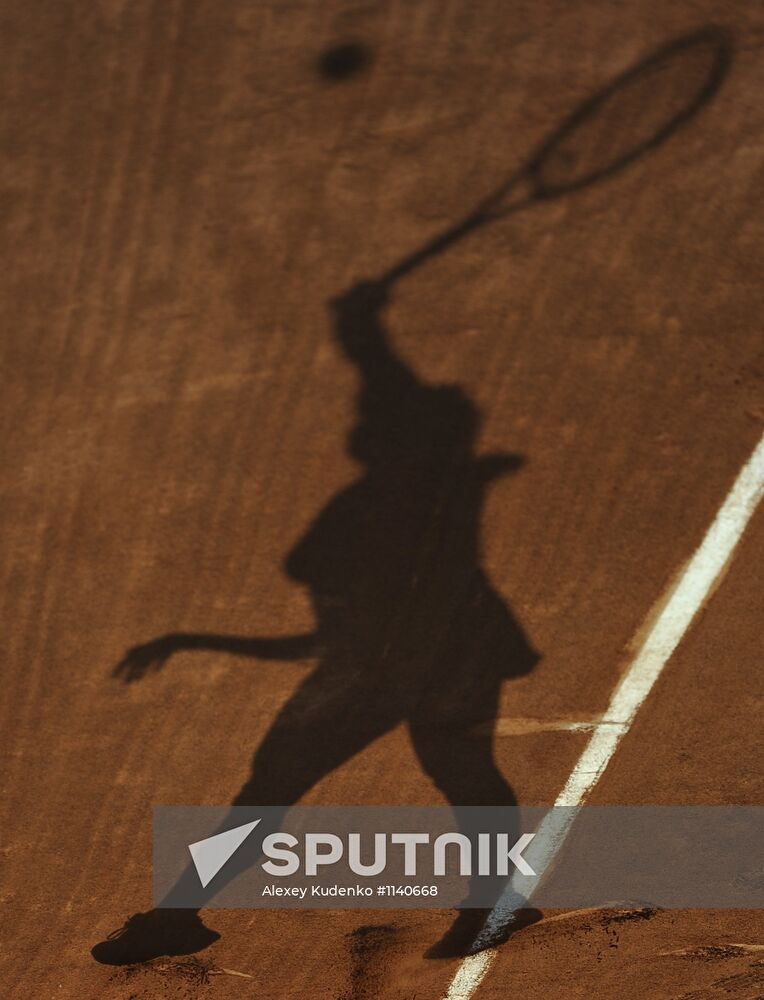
x=150 y=657
x=364 y=340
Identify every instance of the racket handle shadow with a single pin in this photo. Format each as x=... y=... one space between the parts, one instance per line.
x=489 y=210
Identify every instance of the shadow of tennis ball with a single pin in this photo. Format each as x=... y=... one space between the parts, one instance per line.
x=340 y=62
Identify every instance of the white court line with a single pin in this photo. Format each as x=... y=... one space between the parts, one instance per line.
x=683 y=602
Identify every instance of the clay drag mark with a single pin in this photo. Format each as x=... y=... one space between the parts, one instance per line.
x=368 y=946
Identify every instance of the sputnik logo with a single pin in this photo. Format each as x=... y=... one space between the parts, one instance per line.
x=326 y=849
x=211 y=854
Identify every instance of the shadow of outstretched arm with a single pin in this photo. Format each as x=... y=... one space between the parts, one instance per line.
x=150 y=657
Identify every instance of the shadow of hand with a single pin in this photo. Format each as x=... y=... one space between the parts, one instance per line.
x=147 y=658
x=362 y=298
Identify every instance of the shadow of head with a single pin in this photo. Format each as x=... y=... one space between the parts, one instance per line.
x=430 y=426
x=433 y=429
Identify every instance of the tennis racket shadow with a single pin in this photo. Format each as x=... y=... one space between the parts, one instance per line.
x=629 y=118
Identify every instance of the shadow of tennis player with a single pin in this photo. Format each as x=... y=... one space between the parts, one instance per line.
x=409 y=628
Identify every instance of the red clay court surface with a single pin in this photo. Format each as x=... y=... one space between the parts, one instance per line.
x=185 y=186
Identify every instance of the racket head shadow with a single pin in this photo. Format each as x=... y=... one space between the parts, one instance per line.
x=633 y=115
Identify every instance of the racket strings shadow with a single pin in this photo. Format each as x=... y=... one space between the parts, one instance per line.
x=629 y=118
x=634 y=114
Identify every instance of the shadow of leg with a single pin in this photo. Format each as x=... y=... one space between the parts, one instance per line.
x=463 y=769
x=324 y=724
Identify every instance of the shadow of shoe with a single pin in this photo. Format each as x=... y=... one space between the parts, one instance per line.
x=459 y=940
x=146 y=936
